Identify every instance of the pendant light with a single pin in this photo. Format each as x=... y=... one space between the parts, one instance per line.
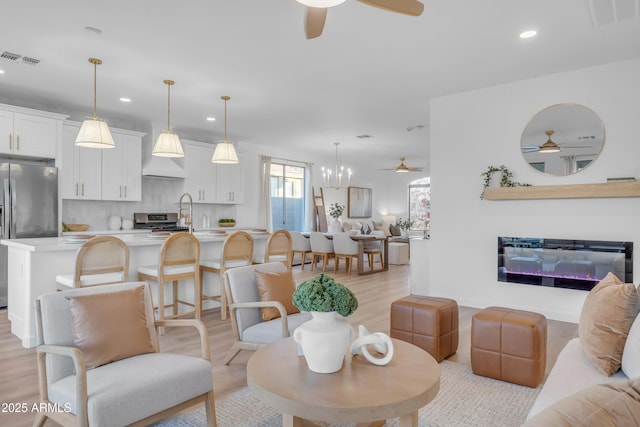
x=337 y=180
x=168 y=144
x=225 y=153
x=94 y=132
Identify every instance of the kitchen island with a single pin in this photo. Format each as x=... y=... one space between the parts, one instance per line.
x=34 y=263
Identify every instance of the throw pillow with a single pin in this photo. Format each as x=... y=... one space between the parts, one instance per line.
x=382 y=227
x=110 y=326
x=276 y=287
x=631 y=354
x=607 y=314
x=395 y=230
x=612 y=404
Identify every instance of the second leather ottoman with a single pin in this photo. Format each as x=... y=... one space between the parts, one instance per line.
x=428 y=322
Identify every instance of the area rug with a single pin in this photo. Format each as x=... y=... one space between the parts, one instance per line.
x=464 y=400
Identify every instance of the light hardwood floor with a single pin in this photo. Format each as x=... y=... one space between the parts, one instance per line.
x=18 y=373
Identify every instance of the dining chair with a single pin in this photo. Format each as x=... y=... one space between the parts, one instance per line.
x=237 y=251
x=100 y=260
x=321 y=246
x=278 y=249
x=299 y=245
x=373 y=248
x=345 y=247
x=179 y=259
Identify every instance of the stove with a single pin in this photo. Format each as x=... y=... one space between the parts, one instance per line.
x=157 y=222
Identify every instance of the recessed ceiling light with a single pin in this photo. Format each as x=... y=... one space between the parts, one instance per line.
x=1 y=71
x=528 y=34
x=211 y=119
x=125 y=99
x=93 y=31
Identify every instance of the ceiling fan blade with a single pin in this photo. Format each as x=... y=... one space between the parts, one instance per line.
x=415 y=169
x=406 y=7
x=314 y=18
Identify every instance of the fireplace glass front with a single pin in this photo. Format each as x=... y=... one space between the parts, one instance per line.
x=563 y=263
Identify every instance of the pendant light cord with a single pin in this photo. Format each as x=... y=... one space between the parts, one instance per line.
x=95 y=86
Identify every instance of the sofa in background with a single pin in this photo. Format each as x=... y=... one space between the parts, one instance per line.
x=596 y=378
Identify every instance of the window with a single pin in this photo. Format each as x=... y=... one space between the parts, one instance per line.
x=287 y=196
x=420 y=204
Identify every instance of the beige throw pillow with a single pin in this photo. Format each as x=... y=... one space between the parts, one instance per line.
x=607 y=315
x=612 y=404
x=382 y=227
x=276 y=287
x=110 y=326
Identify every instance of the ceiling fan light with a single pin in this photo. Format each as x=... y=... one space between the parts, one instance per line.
x=168 y=145
x=549 y=149
x=321 y=3
x=402 y=170
x=225 y=153
x=94 y=133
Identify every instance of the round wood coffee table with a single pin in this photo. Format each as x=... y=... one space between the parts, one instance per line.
x=359 y=392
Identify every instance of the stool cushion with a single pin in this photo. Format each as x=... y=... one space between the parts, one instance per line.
x=89 y=280
x=509 y=345
x=217 y=263
x=152 y=270
x=427 y=322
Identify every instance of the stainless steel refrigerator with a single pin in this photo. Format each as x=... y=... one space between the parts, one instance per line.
x=28 y=208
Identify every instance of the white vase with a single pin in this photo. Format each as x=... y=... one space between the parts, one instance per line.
x=335 y=226
x=325 y=340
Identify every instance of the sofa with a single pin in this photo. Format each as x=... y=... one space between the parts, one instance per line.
x=596 y=378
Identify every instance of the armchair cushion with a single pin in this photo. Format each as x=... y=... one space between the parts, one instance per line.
x=153 y=383
x=110 y=326
x=607 y=315
x=268 y=332
x=276 y=286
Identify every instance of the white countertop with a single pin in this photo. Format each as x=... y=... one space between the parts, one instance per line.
x=50 y=244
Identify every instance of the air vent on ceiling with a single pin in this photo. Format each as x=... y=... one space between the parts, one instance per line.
x=365 y=136
x=605 y=12
x=30 y=61
x=10 y=56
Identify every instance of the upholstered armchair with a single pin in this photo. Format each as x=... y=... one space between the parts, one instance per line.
x=257 y=320
x=100 y=365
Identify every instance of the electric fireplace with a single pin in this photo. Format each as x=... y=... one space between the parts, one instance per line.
x=563 y=263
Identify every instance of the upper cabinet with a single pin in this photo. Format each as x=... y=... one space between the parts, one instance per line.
x=102 y=174
x=209 y=182
x=122 y=169
x=29 y=133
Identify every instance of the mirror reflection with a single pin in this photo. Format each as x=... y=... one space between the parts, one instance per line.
x=562 y=139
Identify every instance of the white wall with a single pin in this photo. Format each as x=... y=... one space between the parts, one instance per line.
x=472 y=130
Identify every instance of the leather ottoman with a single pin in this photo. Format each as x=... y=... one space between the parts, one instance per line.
x=509 y=345
x=427 y=322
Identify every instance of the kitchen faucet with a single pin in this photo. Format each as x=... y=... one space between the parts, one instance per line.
x=188 y=217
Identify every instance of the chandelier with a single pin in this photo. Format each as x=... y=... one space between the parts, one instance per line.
x=336 y=178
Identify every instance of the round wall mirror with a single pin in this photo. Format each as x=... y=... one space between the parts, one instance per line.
x=562 y=139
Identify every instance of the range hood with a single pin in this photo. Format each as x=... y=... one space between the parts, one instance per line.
x=162 y=167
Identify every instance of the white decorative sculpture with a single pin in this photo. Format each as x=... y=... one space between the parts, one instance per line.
x=380 y=342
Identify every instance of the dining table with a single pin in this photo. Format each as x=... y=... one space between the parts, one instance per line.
x=361 y=239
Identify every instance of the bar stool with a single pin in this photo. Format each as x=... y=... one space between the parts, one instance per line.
x=178 y=260
x=320 y=247
x=278 y=249
x=237 y=251
x=299 y=245
x=101 y=260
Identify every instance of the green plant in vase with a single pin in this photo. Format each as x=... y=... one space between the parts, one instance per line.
x=322 y=293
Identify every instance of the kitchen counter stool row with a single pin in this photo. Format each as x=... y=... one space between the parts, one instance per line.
x=105 y=260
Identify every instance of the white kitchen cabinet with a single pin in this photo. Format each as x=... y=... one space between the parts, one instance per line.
x=122 y=168
x=230 y=184
x=80 y=168
x=102 y=174
x=29 y=133
x=201 y=180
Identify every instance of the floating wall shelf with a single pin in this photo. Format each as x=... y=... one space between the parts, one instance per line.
x=571 y=191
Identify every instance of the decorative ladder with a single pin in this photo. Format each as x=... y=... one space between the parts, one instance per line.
x=321 y=214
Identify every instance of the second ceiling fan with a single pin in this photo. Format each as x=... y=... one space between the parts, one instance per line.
x=401 y=168
x=316 y=11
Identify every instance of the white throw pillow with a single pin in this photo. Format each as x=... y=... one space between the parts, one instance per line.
x=631 y=354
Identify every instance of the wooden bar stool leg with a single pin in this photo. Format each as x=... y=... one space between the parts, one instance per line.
x=175 y=297
x=160 y=305
x=223 y=297
x=197 y=286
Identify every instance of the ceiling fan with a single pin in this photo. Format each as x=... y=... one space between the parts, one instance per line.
x=316 y=11
x=549 y=146
x=402 y=168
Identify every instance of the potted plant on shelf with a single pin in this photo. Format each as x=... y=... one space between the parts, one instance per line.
x=226 y=222
x=404 y=225
x=335 y=212
x=325 y=338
